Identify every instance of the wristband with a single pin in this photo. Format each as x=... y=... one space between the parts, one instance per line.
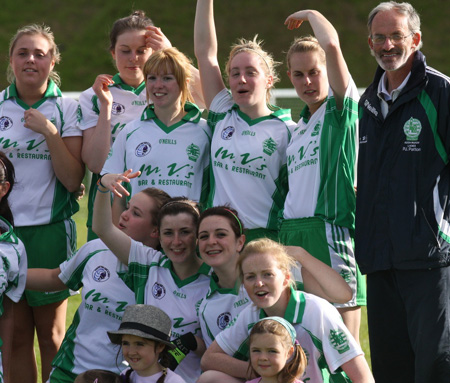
x=99 y=185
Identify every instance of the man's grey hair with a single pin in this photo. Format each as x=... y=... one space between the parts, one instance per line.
x=405 y=9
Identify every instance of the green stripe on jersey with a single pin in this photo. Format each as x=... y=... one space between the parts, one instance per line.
x=431 y=113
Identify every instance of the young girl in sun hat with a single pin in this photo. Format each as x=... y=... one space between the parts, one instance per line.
x=275 y=354
x=144 y=336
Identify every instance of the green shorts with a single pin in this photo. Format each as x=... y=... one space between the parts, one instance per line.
x=252 y=234
x=47 y=247
x=331 y=244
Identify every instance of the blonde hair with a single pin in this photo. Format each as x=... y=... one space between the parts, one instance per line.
x=35 y=29
x=272 y=248
x=171 y=60
x=302 y=45
x=255 y=46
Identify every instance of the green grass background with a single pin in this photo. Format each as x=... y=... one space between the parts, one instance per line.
x=74 y=301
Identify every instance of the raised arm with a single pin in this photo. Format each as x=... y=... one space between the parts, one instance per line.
x=320 y=279
x=205 y=45
x=337 y=70
x=117 y=241
x=44 y=280
x=97 y=140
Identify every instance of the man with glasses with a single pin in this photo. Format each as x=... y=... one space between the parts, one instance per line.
x=403 y=203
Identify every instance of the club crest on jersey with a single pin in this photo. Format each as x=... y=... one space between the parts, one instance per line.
x=228 y=132
x=193 y=152
x=223 y=320
x=101 y=274
x=158 y=291
x=269 y=146
x=117 y=108
x=5 y=123
x=339 y=341
x=412 y=129
x=143 y=149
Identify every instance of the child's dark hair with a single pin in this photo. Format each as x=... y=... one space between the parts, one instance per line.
x=98 y=376
x=295 y=366
x=178 y=205
x=7 y=174
x=136 y=21
x=164 y=361
x=227 y=212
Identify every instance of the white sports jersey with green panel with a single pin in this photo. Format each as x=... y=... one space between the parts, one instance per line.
x=248 y=162
x=174 y=159
x=38 y=197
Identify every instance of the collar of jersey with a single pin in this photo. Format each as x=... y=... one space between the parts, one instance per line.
x=305 y=114
x=193 y=115
x=277 y=112
x=295 y=308
x=119 y=83
x=203 y=270
x=9 y=235
x=215 y=288
x=51 y=91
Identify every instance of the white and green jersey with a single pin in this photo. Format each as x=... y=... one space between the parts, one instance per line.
x=321 y=160
x=320 y=331
x=13 y=270
x=38 y=197
x=104 y=298
x=219 y=308
x=150 y=275
x=13 y=273
x=128 y=105
x=174 y=159
x=248 y=162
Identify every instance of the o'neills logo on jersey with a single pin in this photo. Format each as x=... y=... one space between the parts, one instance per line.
x=158 y=291
x=223 y=320
x=228 y=132
x=143 y=149
x=101 y=274
x=5 y=123
x=412 y=129
x=193 y=152
x=117 y=108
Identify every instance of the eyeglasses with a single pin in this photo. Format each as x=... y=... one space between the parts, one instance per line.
x=396 y=38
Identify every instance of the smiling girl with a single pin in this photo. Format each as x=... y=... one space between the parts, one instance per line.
x=275 y=354
x=169 y=144
x=174 y=281
x=104 y=295
x=47 y=158
x=333 y=354
x=249 y=136
x=322 y=177
x=116 y=100
x=144 y=336
x=220 y=240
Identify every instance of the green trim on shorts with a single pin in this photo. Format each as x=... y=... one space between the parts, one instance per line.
x=59 y=375
x=252 y=234
x=47 y=247
x=310 y=233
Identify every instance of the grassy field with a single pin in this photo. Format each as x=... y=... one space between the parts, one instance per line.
x=74 y=301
